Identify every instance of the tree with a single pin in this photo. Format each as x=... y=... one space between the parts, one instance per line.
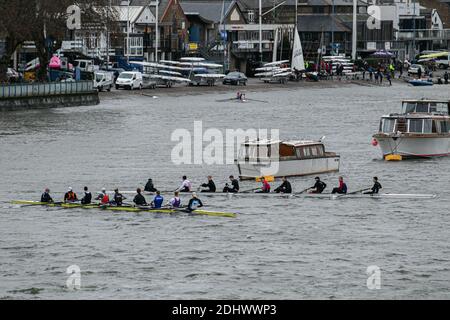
x=45 y=23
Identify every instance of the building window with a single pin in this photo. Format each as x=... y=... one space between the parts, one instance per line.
x=136 y=46
x=387 y=125
x=415 y=125
x=251 y=16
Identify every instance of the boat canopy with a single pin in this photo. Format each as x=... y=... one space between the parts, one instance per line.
x=420 y=125
x=426 y=106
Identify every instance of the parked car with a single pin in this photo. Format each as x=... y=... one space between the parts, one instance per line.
x=443 y=63
x=115 y=71
x=235 y=78
x=103 y=80
x=129 y=80
x=414 y=69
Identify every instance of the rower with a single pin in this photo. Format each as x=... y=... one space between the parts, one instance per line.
x=157 y=201
x=210 y=185
x=175 y=202
x=234 y=186
x=70 y=196
x=103 y=197
x=319 y=186
x=139 y=198
x=342 y=189
x=186 y=186
x=194 y=203
x=87 y=199
x=118 y=198
x=149 y=187
x=376 y=187
x=285 y=187
x=265 y=186
x=45 y=197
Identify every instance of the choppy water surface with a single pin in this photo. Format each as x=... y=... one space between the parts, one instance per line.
x=277 y=248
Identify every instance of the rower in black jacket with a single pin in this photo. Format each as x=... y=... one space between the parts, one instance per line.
x=319 y=186
x=234 y=186
x=285 y=187
x=149 y=187
x=376 y=187
x=210 y=185
x=87 y=199
x=46 y=198
x=139 y=199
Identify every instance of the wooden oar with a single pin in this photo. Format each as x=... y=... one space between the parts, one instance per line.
x=251 y=190
x=350 y=193
x=301 y=192
x=256 y=100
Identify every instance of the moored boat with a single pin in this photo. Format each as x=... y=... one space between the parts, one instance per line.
x=290 y=158
x=421 y=82
x=421 y=130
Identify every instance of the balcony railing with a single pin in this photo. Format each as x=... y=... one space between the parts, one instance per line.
x=251 y=45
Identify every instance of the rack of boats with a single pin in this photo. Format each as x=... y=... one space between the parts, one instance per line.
x=124 y=208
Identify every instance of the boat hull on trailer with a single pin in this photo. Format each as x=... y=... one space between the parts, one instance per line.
x=414 y=146
x=289 y=168
x=420 y=83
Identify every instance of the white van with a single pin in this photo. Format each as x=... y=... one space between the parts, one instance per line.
x=103 y=80
x=129 y=80
x=85 y=65
x=443 y=62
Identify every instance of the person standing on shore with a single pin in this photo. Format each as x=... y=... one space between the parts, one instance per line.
x=388 y=78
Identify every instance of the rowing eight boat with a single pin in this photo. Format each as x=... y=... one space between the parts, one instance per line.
x=313 y=195
x=125 y=208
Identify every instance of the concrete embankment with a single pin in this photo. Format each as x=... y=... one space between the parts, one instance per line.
x=47 y=95
x=84 y=99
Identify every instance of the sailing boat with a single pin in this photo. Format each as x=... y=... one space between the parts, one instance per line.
x=298 y=62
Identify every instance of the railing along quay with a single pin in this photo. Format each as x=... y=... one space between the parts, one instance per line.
x=21 y=90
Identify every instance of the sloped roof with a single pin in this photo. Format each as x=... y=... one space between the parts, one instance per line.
x=209 y=10
x=318 y=23
x=135 y=12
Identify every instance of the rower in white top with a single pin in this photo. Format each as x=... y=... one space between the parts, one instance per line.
x=186 y=186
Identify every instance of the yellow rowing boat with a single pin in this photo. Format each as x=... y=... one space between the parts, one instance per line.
x=124 y=208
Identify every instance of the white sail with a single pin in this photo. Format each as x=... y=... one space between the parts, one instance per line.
x=298 y=63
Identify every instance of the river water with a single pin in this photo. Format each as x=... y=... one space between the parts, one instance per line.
x=274 y=249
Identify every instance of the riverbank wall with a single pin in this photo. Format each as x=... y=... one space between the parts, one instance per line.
x=47 y=95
